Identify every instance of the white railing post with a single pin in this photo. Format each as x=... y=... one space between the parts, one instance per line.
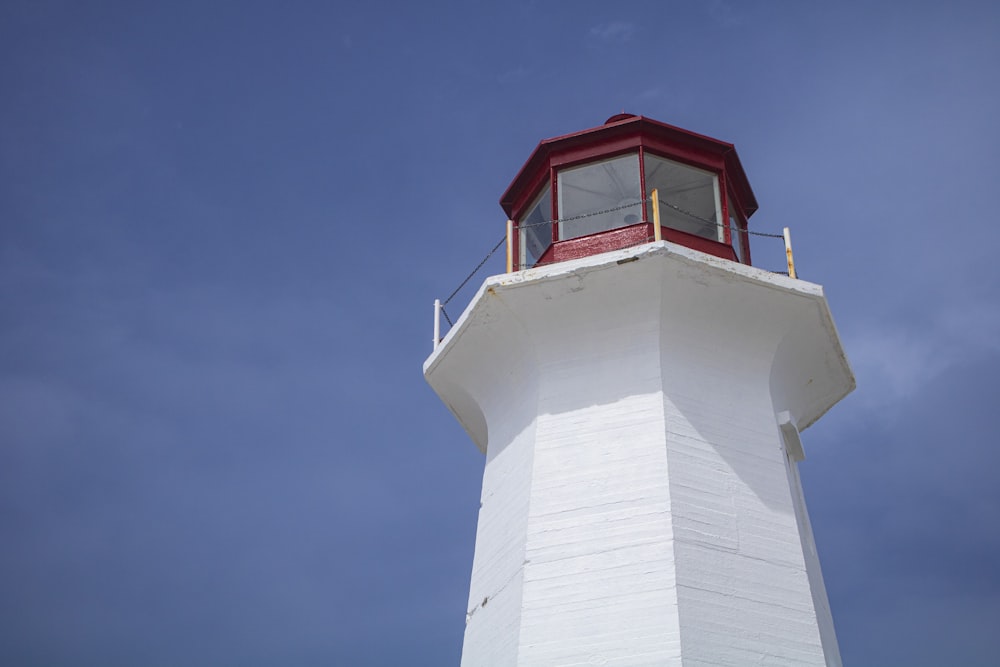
x=788 y=253
x=510 y=246
x=437 y=322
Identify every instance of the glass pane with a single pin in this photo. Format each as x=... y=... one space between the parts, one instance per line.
x=535 y=228
x=599 y=186
x=735 y=224
x=689 y=197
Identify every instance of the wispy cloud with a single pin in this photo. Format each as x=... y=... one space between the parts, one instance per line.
x=616 y=31
x=892 y=363
x=653 y=93
x=514 y=75
x=723 y=13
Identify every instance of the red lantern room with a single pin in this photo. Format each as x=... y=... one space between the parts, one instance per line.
x=590 y=192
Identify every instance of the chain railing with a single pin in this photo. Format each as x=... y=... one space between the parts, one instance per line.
x=654 y=199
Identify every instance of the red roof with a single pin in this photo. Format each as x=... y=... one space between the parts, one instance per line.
x=623 y=133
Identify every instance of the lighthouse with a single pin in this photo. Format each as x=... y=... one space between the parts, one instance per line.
x=638 y=389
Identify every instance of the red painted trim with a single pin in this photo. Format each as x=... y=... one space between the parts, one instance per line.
x=592 y=244
x=694 y=158
x=699 y=243
x=527 y=197
x=599 y=151
x=646 y=215
x=724 y=193
x=624 y=237
x=739 y=181
x=554 y=204
x=746 y=248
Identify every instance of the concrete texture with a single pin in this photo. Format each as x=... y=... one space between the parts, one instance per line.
x=641 y=503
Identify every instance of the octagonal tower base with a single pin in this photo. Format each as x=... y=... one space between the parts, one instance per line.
x=639 y=411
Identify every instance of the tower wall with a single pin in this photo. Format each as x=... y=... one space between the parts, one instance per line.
x=493 y=390
x=638 y=503
x=599 y=577
x=743 y=589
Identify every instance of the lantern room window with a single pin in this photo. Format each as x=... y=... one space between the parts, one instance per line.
x=536 y=227
x=595 y=187
x=736 y=225
x=689 y=197
x=589 y=192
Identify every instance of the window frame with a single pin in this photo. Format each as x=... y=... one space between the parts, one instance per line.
x=521 y=245
x=557 y=194
x=717 y=189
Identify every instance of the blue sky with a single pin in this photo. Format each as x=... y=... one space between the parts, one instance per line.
x=222 y=226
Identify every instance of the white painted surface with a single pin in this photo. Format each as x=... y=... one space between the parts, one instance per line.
x=790 y=433
x=638 y=504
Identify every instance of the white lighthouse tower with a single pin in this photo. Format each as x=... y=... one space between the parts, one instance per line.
x=638 y=389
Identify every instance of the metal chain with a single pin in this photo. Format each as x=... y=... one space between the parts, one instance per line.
x=716 y=224
x=584 y=215
x=765 y=234
x=641 y=202
x=622 y=207
x=476 y=270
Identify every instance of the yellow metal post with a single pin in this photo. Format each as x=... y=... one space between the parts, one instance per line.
x=510 y=246
x=657 y=231
x=788 y=253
